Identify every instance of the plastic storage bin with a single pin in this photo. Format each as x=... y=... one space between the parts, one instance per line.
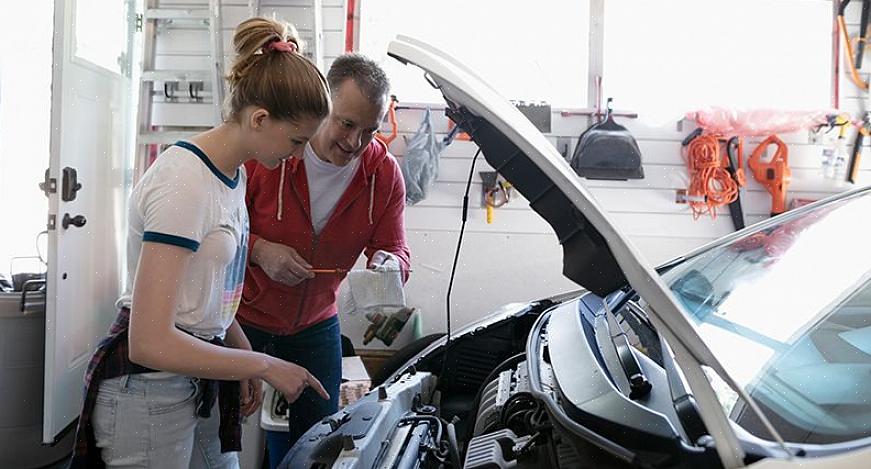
x=22 y=355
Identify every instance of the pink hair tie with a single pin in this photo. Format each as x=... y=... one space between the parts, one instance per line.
x=283 y=46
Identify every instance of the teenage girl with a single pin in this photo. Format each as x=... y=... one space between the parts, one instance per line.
x=163 y=388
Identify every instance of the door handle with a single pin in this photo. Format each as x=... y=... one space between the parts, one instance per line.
x=77 y=221
x=70 y=185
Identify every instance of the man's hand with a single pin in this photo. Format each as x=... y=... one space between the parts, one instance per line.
x=384 y=261
x=281 y=262
x=252 y=395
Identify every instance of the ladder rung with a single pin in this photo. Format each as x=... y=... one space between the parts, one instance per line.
x=176 y=14
x=165 y=137
x=175 y=75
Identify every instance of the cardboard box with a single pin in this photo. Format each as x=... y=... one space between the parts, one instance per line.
x=355 y=381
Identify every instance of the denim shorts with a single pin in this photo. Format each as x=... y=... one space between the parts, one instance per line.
x=149 y=421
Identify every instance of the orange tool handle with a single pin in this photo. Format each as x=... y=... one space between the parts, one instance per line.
x=394 y=126
x=773 y=174
x=848 y=51
x=778 y=199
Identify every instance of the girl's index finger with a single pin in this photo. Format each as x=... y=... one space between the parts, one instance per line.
x=317 y=386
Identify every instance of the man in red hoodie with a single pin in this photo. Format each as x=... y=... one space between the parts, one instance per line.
x=346 y=196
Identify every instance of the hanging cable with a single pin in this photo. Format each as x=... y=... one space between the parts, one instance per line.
x=711 y=186
x=43 y=259
x=457 y=256
x=460 y=240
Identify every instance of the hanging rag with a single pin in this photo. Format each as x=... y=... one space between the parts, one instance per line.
x=376 y=289
x=420 y=166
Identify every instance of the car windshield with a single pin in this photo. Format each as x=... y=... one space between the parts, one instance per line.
x=787 y=311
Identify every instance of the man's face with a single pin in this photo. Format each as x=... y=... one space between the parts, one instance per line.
x=350 y=126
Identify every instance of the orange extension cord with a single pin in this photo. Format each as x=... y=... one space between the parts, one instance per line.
x=711 y=185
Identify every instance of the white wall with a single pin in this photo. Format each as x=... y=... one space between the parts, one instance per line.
x=517 y=258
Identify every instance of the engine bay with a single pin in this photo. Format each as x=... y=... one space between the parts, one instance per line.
x=533 y=388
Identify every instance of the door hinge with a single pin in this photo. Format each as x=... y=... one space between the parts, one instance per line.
x=52 y=222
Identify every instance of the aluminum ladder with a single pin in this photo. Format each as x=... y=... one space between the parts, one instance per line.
x=154 y=19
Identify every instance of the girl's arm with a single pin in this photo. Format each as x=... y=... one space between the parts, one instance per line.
x=236 y=337
x=156 y=343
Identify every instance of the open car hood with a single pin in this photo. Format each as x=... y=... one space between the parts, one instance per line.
x=595 y=255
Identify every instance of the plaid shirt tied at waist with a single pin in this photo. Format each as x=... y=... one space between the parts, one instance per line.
x=112 y=359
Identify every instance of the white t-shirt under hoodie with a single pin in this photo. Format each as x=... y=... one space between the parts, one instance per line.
x=326 y=184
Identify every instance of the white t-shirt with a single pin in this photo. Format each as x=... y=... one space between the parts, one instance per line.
x=184 y=200
x=326 y=184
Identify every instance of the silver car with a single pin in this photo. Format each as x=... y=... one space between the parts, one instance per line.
x=752 y=351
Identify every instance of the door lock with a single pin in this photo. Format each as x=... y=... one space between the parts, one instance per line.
x=77 y=221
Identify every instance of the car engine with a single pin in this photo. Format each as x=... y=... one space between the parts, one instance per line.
x=510 y=392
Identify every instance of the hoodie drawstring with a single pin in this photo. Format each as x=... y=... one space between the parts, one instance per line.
x=280 y=191
x=371 y=199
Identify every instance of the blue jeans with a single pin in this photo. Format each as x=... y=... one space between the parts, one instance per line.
x=317 y=349
x=149 y=421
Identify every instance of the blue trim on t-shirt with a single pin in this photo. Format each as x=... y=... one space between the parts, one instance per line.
x=231 y=183
x=174 y=240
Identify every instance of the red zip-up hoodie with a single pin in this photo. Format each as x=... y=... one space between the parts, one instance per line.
x=368 y=217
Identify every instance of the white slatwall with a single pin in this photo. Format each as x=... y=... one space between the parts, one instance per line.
x=184 y=46
x=517 y=258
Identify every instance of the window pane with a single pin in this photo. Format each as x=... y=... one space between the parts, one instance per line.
x=101 y=32
x=530 y=54
x=666 y=57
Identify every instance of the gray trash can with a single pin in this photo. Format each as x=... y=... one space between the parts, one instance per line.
x=22 y=358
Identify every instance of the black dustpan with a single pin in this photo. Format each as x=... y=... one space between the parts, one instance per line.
x=607 y=150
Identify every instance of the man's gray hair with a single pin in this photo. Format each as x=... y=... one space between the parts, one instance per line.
x=367 y=74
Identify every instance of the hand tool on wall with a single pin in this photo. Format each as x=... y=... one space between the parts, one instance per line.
x=394 y=125
x=773 y=173
x=495 y=192
x=854 y=57
x=863 y=29
x=735 y=154
x=856 y=154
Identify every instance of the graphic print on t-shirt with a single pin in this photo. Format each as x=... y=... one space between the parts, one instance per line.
x=235 y=275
